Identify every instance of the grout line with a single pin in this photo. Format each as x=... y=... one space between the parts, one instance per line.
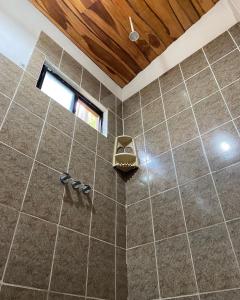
x=90 y=223
x=214 y=184
x=179 y=192
x=210 y=171
x=183 y=233
x=190 y=106
x=25 y=193
x=11 y=100
x=60 y=61
x=57 y=171
x=80 y=296
x=219 y=88
x=60 y=213
x=187 y=182
x=150 y=202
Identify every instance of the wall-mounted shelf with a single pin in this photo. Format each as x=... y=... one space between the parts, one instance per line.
x=124 y=156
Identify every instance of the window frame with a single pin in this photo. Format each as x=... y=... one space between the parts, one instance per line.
x=78 y=96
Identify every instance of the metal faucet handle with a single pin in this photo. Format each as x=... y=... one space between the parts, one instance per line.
x=86 y=189
x=64 y=178
x=76 y=184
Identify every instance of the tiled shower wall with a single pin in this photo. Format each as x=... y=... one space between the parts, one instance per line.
x=183 y=204
x=56 y=243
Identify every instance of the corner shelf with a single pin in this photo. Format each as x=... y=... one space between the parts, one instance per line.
x=124 y=156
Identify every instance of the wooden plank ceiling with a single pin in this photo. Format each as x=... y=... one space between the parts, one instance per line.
x=100 y=28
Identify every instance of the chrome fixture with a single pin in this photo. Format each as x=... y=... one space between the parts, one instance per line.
x=76 y=184
x=86 y=189
x=65 y=178
x=133 y=35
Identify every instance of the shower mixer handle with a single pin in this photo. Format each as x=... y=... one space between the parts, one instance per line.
x=65 y=177
x=76 y=184
x=86 y=189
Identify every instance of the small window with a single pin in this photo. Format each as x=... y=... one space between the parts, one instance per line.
x=58 y=89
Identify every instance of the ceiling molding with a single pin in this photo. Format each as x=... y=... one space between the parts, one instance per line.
x=219 y=19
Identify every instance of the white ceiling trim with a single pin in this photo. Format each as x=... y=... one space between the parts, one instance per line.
x=220 y=18
x=21 y=23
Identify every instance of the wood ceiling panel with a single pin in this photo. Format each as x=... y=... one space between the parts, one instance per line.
x=100 y=28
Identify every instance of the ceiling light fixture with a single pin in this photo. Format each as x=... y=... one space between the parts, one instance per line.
x=133 y=35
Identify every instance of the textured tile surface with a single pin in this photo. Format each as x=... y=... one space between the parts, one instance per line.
x=201 y=85
x=211 y=112
x=31 y=255
x=101 y=281
x=61 y=118
x=234 y=230
x=176 y=275
x=161 y=173
x=156 y=140
x=54 y=148
x=82 y=164
x=235 y=32
x=142 y=273
x=139 y=224
x=220 y=46
x=105 y=178
x=153 y=114
x=121 y=189
x=133 y=124
x=21 y=130
x=103 y=218
x=50 y=48
x=17 y=293
x=176 y=100
x=85 y=135
x=29 y=96
x=182 y=127
x=55 y=296
x=90 y=84
x=227 y=69
x=200 y=203
x=167 y=214
x=16 y=169
x=108 y=99
x=231 y=95
x=70 y=262
x=112 y=123
x=170 y=79
x=190 y=161
x=227 y=183
x=131 y=105
x=121 y=226
x=70 y=67
x=193 y=64
x=222 y=146
x=76 y=210
x=211 y=247
x=233 y=295
x=35 y=63
x=140 y=149
x=44 y=195
x=136 y=186
x=150 y=92
x=121 y=275
x=4 y=104
x=8 y=220
x=105 y=146
x=9 y=76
